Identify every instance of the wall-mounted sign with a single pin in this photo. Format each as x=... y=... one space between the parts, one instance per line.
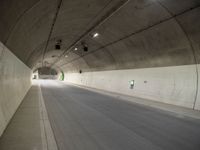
x=131 y=84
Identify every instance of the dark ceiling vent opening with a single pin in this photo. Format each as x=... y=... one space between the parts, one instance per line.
x=85 y=47
x=58 y=44
x=53 y=56
x=57 y=47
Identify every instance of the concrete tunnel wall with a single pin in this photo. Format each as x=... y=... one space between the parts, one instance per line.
x=15 y=81
x=162 y=60
x=172 y=85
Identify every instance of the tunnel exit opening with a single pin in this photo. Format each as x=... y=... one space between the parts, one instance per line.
x=45 y=73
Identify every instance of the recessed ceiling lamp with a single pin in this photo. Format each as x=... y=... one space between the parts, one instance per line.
x=95 y=35
x=75 y=48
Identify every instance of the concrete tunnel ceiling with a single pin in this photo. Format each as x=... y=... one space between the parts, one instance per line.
x=133 y=33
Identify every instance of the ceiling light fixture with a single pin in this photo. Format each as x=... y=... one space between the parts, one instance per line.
x=75 y=48
x=95 y=35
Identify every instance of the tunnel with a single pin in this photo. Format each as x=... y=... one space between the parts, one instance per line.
x=100 y=75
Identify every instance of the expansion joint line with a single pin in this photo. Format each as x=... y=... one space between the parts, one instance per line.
x=192 y=49
x=18 y=20
x=51 y=30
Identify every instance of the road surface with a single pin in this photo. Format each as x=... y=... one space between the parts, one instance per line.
x=85 y=120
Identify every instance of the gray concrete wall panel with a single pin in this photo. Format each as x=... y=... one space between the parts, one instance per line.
x=15 y=81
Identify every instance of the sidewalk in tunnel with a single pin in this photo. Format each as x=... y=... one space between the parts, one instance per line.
x=29 y=129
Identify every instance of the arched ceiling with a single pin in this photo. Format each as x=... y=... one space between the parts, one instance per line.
x=133 y=33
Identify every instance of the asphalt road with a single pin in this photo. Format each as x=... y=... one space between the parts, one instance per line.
x=85 y=120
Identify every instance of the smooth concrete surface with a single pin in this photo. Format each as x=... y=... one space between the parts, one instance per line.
x=85 y=120
x=15 y=81
x=175 y=85
x=29 y=128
